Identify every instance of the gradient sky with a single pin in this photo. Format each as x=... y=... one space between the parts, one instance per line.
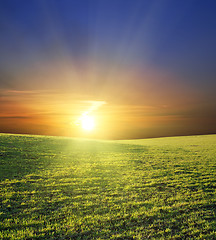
x=141 y=68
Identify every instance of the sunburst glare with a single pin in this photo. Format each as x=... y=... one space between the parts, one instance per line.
x=88 y=122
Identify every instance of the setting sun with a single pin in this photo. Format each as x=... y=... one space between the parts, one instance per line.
x=88 y=123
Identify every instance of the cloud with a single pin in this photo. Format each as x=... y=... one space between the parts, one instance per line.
x=12 y=91
x=95 y=105
x=15 y=117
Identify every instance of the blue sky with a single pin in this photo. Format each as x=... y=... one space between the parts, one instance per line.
x=175 y=34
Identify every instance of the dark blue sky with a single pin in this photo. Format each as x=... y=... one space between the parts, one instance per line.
x=41 y=39
x=178 y=35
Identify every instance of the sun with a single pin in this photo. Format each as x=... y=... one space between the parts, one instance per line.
x=88 y=122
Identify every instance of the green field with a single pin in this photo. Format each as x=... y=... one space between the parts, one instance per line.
x=65 y=188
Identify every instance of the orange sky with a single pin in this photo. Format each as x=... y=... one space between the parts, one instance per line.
x=130 y=103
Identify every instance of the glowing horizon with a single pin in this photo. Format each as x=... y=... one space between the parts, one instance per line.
x=140 y=69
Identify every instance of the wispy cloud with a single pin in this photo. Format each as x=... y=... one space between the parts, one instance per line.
x=95 y=105
x=12 y=91
x=15 y=117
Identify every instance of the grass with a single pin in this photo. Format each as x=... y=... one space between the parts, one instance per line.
x=62 y=188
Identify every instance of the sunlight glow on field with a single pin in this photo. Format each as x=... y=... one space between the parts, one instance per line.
x=164 y=185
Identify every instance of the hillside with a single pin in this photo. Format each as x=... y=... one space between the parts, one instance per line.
x=65 y=188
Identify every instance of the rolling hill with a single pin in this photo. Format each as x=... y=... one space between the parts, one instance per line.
x=65 y=188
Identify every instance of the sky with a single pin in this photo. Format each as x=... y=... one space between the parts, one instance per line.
x=140 y=68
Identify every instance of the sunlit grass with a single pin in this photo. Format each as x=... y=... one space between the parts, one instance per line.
x=62 y=188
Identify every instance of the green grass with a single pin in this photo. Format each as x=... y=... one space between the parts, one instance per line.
x=62 y=188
